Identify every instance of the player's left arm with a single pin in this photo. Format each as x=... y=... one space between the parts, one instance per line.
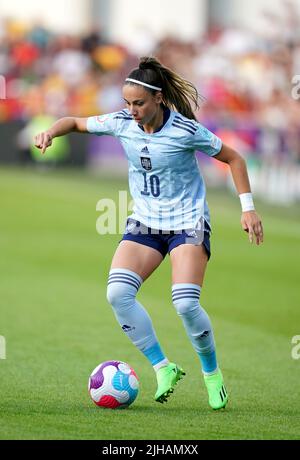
x=250 y=220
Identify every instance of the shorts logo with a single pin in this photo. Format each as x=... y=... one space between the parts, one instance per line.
x=130 y=227
x=192 y=234
x=146 y=163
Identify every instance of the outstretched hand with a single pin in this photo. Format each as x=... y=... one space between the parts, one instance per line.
x=252 y=224
x=43 y=140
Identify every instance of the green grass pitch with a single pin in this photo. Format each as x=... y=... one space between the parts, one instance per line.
x=58 y=325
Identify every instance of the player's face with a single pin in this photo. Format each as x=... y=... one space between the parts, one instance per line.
x=142 y=104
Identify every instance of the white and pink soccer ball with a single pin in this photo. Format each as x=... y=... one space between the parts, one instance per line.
x=113 y=384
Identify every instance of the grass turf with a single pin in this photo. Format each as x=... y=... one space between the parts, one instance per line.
x=58 y=325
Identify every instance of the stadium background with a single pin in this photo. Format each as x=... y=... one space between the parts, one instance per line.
x=70 y=58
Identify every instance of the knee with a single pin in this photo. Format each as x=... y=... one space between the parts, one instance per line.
x=186 y=299
x=186 y=306
x=120 y=294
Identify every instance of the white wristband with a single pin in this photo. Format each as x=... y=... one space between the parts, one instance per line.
x=247 y=202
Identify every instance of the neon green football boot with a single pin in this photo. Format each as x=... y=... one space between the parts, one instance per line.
x=217 y=393
x=167 y=377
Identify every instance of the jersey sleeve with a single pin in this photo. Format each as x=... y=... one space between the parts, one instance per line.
x=103 y=124
x=206 y=141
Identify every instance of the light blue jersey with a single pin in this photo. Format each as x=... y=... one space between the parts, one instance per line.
x=164 y=178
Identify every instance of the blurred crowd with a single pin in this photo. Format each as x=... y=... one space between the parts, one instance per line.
x=248 y=81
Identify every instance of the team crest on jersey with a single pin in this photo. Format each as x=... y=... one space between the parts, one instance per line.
x=146 y=163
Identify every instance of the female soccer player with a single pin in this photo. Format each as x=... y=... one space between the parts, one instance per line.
x=160 y=135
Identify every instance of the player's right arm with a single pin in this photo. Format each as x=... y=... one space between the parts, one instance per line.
x=61 y=127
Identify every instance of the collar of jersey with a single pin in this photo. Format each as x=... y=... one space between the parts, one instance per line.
x=167 y=113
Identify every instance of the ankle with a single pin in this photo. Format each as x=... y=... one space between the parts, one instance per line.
x=208 y=374
x=161 y=364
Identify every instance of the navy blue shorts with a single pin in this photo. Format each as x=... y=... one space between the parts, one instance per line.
x=164 y=241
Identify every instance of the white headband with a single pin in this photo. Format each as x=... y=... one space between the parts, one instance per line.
x=138 y=82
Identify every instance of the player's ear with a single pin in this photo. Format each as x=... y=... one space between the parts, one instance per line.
x=158 y=97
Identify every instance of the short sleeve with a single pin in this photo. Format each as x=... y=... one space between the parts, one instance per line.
x=206 y=141
x=102 y=124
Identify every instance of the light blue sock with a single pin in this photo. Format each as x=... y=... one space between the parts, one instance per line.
x=185 y=298
x=122 y=288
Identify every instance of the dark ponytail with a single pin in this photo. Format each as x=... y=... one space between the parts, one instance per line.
x=177 y=92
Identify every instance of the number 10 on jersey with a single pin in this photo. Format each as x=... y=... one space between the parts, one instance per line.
x=151 y=185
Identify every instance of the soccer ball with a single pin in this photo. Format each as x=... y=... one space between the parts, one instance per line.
x=113 y=384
